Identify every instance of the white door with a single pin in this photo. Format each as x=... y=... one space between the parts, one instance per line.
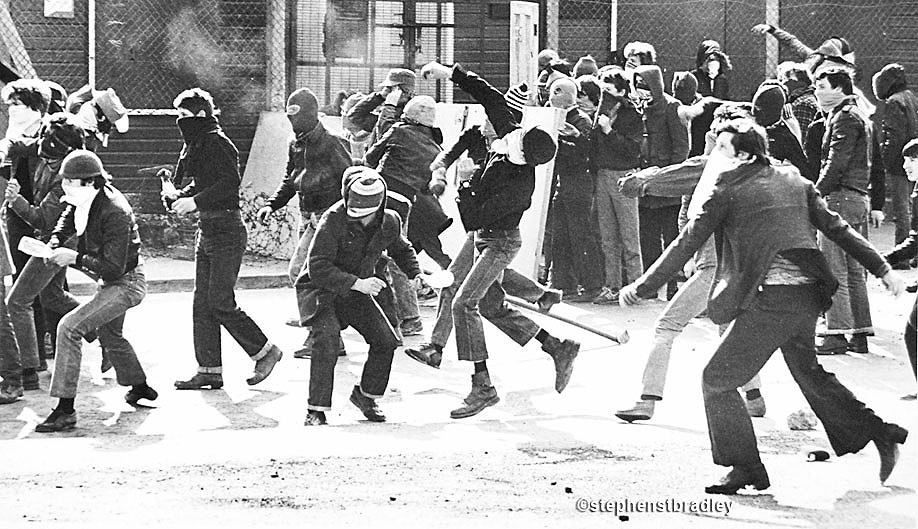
x=524 y=43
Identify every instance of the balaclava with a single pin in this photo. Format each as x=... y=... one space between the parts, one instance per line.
x=303 y=110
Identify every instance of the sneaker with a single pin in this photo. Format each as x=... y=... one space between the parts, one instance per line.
x=57 y=421
x=30 y=381
x=482 y=395
x=427 y=354
x=201 y=381
x=549 y=298
x=563 y=353
x=411 y=327
x=10 y=394
x=606 y=296
x=833 y=344
x=315 y=418
x=756 y=407
x=134 y=395
x=642 y=411
x=367 y=406
x=265 y=365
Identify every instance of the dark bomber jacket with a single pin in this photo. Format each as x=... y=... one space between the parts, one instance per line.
x=316 y=161
x=110 y=245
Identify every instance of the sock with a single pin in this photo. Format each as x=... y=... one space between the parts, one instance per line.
x=65 y=405
x=541 y=336
x=481 y=367
x=28 y=371
x=753 y=394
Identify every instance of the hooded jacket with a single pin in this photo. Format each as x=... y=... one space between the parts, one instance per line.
x=900 y=122
x=316 y=161
x=343 y=250
x=403 y=156
x=211 y=161
x=718 y=87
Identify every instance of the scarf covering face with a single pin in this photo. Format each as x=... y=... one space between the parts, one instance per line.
x=193 y=127
x=23 y=122
x=717 y=164
x=81 y=198
x=828 y=99
x=511 y=145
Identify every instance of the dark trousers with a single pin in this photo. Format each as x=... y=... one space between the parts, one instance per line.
x=577 y=258
x=374 y=323
x=911 y=336
x=17 y=229
x=781 y=317
x=658 y=227
x=219 y=247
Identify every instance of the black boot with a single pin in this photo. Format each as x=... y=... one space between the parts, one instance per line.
x=482 y=395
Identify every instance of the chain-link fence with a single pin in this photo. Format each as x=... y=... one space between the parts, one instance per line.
x=879 y=31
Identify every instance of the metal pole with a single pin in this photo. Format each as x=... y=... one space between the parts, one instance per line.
x=91 y=55
x=619 y=336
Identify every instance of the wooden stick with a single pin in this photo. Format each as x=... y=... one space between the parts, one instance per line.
x=620 y=337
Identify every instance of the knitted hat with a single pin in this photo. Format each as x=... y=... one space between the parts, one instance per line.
x=400 y=77
x=303 y=110
x=538 y=146
x=585 y=65
x=517 y=96
x=421 y=110
x=365 y=194
x=685 y=86
x=81 y=165
x=110 y=104
x=767 y=104
x=562 y=93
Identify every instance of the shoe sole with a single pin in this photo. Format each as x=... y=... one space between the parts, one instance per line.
x=720 y=489
x=631 y=417
x=202 y=386
x=39 y=429
x=490 y=402
x=419 y=360
x=371 y=419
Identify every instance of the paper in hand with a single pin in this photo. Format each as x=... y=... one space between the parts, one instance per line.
x=35 y=248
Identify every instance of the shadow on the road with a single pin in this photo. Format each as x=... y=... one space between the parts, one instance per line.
x=854 y=506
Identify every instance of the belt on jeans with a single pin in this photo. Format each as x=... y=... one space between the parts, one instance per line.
x=488 y=232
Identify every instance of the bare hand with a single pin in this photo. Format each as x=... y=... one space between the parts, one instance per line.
x=184 y=205
x=894 y=283
x=688 y=269
x=63 y=256
x=170 y=194
x=264 y=213
x=605 y=124
x=628 y=296
x=394 y=95
x=165 y=175
x=761 y=29
x=876 y=218
x=436 y=71
x=416 y=283
x=369 y=286
x=12 y=190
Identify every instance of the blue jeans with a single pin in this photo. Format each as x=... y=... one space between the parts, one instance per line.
x=481 y=290
x=850 y=310
x=374 y=323
x=513 y=283
x=45 y=280
x=105 y=312
x=10 y=361
x=220 y=244
x=307 y=229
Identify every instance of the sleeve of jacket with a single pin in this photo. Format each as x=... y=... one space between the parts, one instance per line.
x=791 y=41
x=895 y=132
x=321 y=259
x=679 y=134
x=388 y=115
x=841 y=233
x=842 y=140
x=117 y=229
x=625 y=135
x=401 y=251
x=42 y=217
x=378 y=149
x=65 y=228
x=692 y=237
x=287 y=188
x=448 y=158
x=877 y=186
x=489 y=97
x=676 y=180
x=362 y=111
x=225 y=165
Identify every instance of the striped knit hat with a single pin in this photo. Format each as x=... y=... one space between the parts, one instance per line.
x=365 y=194
x=517 y=97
